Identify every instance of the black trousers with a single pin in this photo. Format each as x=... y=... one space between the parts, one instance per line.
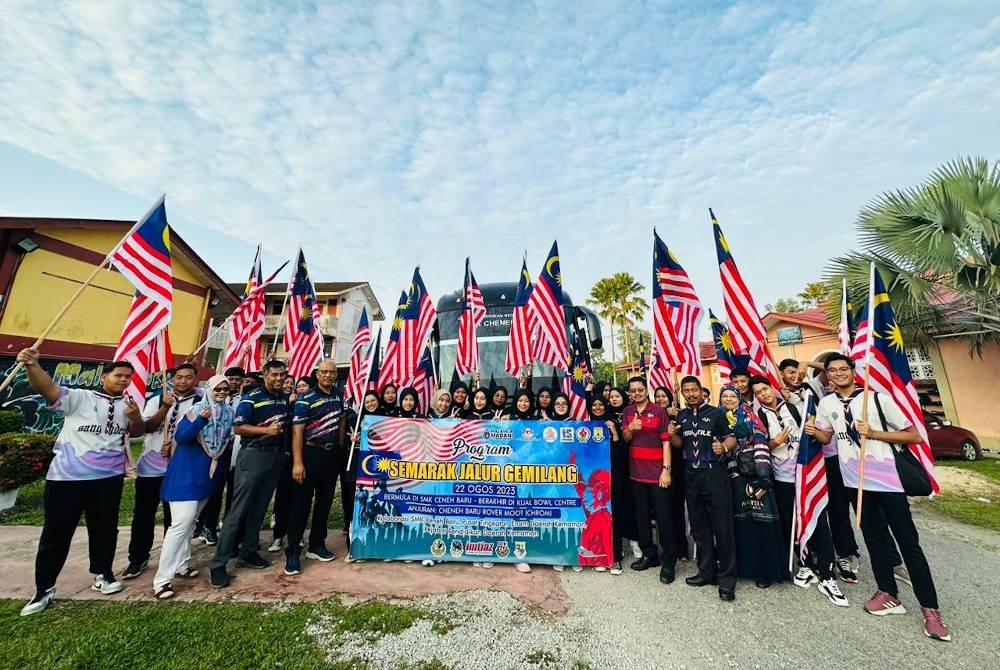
x=839 y=509
x=885 y=512
x=96 y=499
x=283 y=500
x=679 y=475
x=212 y=512
x=147 y=500
x=821 y=556
x=257 y=473
x=322 y=469
x=710 y=508
x=652 y=499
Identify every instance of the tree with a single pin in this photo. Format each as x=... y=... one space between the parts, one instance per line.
x=630 y=350
x=814 y=294
x=786 y=305
x=937 y=246
x=619 y=302
x=603 y=370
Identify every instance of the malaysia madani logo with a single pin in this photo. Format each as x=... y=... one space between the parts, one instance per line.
x=550 y=434
x=457 y=548
x=582 y=434
x=438 y=548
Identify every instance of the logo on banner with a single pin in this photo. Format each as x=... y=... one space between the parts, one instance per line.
x=479 y=548
x=520 y=549
x=582 y=434
x=438 y=548
x=549 y=434
x=566 y=434
x=598 y=433
x=503 y=549
x=528 y=434
x=457 y=548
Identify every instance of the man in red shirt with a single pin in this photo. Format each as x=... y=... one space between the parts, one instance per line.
x=647 y=428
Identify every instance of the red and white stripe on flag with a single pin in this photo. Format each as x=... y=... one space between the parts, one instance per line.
x=246 y=327
x=577 y=404
x=306 y=347
x=473 y=313
x=155 y=356
x=357 y=376
x=811 y=498
x=658 y=374
x=519 y=346
x=551 y=344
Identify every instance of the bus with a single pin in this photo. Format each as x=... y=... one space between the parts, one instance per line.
x=494 y=332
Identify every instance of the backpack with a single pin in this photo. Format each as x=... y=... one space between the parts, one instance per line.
x=912 y=475
x=792 y=409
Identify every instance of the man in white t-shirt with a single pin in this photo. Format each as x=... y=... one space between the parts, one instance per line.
x=86 y=474
x=840 y=419
x=161 y=414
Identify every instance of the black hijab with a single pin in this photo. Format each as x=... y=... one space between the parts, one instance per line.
x=616 y=412
x=386 y=408
x=515 y=414
x=485 y=414
x=410 y=392
x=365 y=412
x=553 y=415
x=538 y=405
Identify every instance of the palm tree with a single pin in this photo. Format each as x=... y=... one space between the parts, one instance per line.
x=937 y=246
x=814 y=294
x=618 y=301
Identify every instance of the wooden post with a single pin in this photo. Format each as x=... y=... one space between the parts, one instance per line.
x=864 y=445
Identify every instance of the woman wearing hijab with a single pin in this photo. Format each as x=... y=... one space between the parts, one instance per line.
x=543 y=402
x=499 y=399
x=602 y=389
x=409 y=404
x=480 y=409
x=757 y=525
x=440 y=405
x=370 y=406
x=388 y=401
x=560 y=412
x=664 y=397
x=522 y=408
x=193 y=476
x=623 y=520
x=617 y=399
x=459 y=399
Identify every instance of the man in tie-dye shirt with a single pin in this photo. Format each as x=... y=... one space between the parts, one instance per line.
x=86 y=474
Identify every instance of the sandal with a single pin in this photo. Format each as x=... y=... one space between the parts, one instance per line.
x=163 y=593
x=187 y=573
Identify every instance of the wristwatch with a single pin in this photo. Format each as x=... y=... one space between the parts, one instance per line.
x=667 y=468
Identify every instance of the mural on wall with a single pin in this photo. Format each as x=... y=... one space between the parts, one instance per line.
x=38 y=418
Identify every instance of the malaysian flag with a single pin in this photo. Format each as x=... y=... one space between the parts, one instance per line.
x=473 y=313
x=845 y=335
x=418 y=319
x=303 y=339
x=143 y=257
x=677 y=312
x=246 y=325
x=522 y=327
x=354 y=388
x=810 y=481
x=414 y=440
x=888 y=367
x=374 y=352
x=657 y=374
x=424 y=380
x=545 y=304
x=745 y=327
x=389 y=374
x=725 y=354
x=574 y=386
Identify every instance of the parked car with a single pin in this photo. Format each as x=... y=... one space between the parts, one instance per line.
x=951 y=441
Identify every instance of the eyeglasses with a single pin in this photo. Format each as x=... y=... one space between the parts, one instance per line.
x=843 y=369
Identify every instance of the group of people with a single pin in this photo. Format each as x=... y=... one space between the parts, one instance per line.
x=247 y=439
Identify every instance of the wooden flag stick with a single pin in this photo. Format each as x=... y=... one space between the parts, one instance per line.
x=791 y=540
x=279 y=328
x=864 y=445
x=55 y=320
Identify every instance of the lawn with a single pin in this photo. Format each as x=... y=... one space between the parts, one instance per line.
x=988 y=467
x=187 y=635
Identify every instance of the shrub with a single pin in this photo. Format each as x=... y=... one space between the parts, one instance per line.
x=24 y=457
x=11 y=421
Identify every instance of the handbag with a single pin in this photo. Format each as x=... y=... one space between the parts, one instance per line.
x=912 y=475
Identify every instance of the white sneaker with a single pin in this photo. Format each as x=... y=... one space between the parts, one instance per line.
x=576 y=568
x=106 y=585
x=275 y=545
x=616 y=568
x=636 y=550
x=427 y=563
x=902 y=574
x=487 y=565
x=558 y=568
x=805 y=578
x=38 y=603
x=600 y=568
x=831 y=590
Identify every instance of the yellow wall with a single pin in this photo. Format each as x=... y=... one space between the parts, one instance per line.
x=45 y=282
x=974 y=395
x=814 y=341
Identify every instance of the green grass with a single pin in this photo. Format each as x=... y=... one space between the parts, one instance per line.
x=178 y=636
x=968 y=509
x=988 y=467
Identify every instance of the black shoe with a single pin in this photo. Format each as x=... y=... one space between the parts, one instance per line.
x=209 y=536
x=728 y=595
x=645 y=563
x=134 y=569
x=698 y=580
x=763 y=583
x=254 y=561
x=666 y=576
x=219 y=578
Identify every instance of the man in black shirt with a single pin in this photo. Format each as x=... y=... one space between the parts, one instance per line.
x=707 y=439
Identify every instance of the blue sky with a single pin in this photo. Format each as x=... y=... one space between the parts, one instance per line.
x=380 y=136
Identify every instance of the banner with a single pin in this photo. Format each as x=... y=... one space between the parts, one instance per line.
x=484 y=491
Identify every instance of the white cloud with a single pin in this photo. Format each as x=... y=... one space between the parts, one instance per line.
x=382 y=136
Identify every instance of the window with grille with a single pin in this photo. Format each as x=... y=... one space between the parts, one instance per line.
x=921 y=366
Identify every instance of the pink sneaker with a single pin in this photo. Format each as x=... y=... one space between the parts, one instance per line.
x=882 y=603
x=934 y=627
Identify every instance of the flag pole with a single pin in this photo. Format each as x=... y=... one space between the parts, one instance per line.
x=281 y=317
x=791 y=540
x=866 y=394
x=361 y=404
